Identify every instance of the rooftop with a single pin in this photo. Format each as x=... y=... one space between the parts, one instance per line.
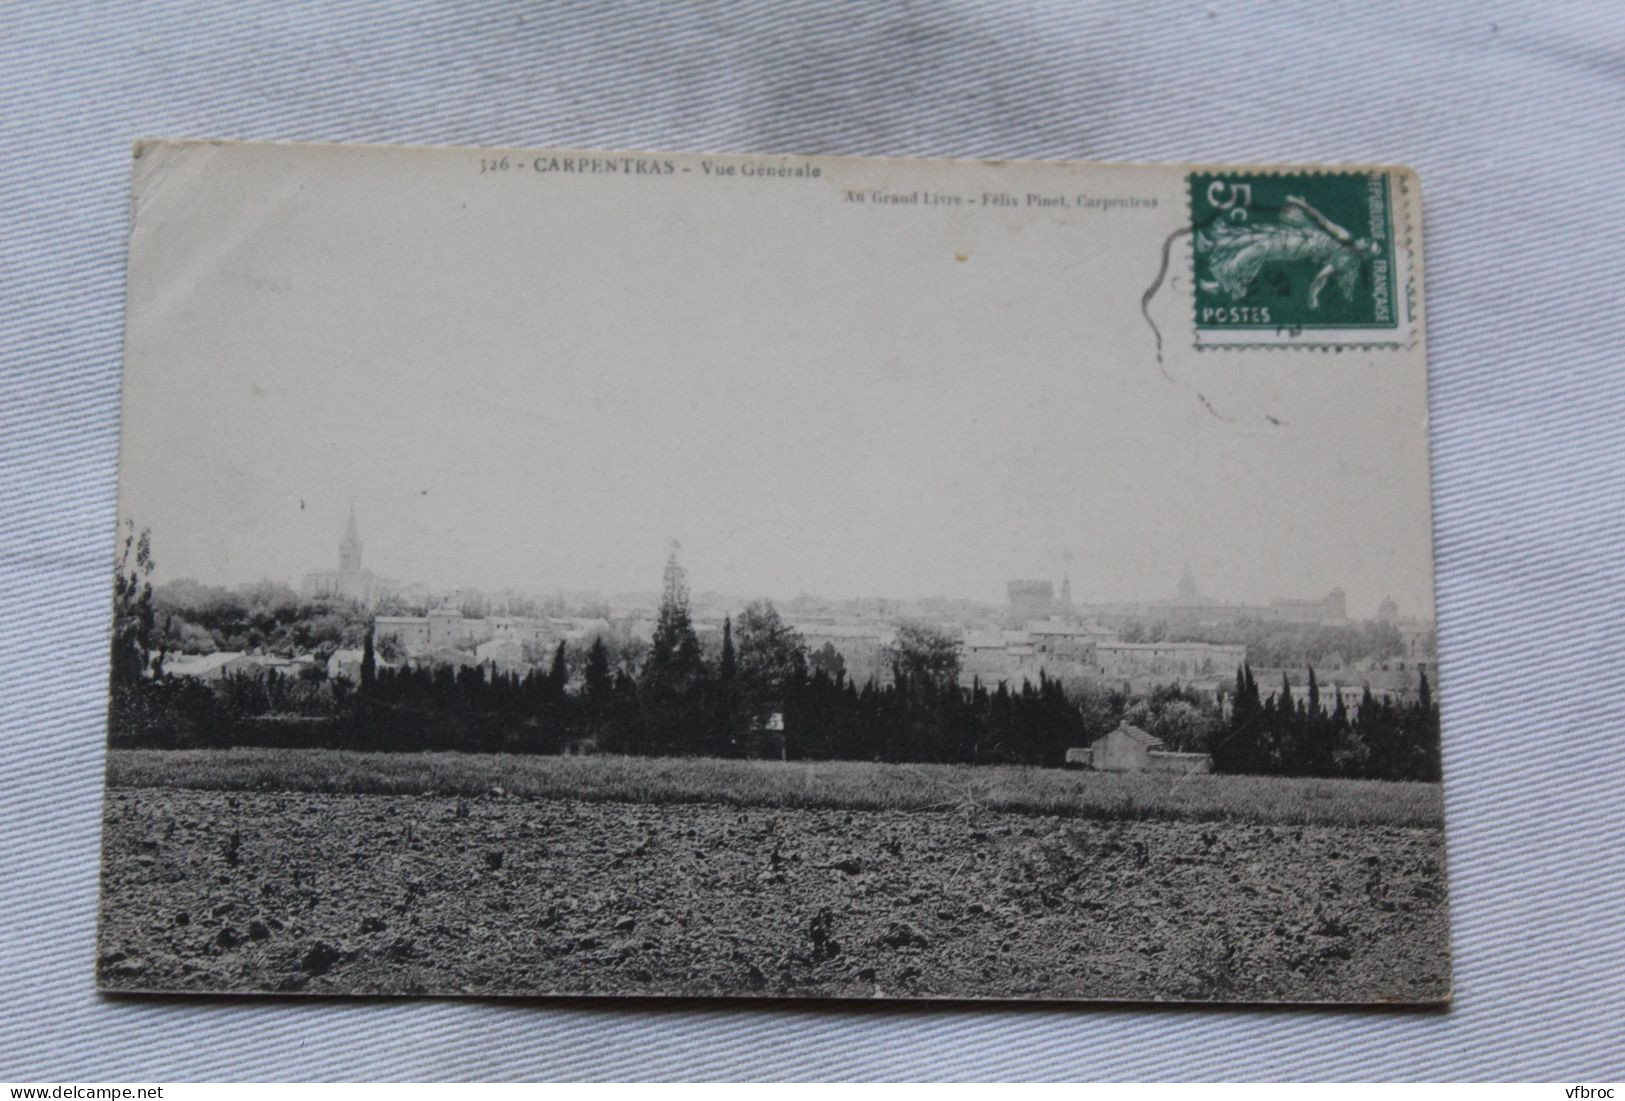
x=1130 y=730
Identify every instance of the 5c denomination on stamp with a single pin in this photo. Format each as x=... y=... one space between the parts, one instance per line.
x=1298 y=258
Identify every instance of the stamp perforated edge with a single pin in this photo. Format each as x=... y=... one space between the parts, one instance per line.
x=1403 y=231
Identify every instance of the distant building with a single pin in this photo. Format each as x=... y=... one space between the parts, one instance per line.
x=285 y=667
x=1072 y=641
x=1030 y=600
x=1187 y=587
x=1012 y=656
x=1418 y=640
x=346 y=664
x=506 y=655
x=1130 y=749
x=864 y=645
x=1181 y=660
x=350 y=581
x=213 y=667
x=523 y=629
x=511 y=638
x=443 y=627
x=1189 y=609
x=410 y=633
x=1008 y=656
x=443 y=655
x=1331 y=608
x=1064 y=649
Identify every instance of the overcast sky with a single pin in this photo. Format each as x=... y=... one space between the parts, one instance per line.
x=539 y=379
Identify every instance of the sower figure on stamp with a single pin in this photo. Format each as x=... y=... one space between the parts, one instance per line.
x=1239 y=252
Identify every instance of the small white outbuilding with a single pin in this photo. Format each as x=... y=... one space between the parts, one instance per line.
x=1127 y=748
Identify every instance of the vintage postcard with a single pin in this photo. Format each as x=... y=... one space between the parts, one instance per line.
x=607 y=573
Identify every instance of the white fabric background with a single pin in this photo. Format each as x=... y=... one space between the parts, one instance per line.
x=1515 y=118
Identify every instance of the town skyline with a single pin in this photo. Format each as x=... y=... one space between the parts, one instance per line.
x=1182 y=587
x=550 y=400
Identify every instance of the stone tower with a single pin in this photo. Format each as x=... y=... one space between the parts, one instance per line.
x=1187 y=586
x=350 y=549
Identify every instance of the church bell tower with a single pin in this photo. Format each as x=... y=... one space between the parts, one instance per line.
x=350 y=549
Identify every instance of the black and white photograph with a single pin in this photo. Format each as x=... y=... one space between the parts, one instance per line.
x=547 y=572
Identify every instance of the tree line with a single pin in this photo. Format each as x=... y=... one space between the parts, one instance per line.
x=763 y=694
x=1286 y=734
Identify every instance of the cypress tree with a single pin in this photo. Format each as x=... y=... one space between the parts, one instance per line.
x=1241 y=748
x=730 y=663
x=1342 y=757
x=674 y=654
x=1370 y=728
x=132 y=606
x=1319 y=733
x=558 y=675
x=596 y=673
x=727 y=674
x=1422 y=734
x=369 y=661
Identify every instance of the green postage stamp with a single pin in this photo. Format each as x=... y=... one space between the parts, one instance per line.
x=1296 y=258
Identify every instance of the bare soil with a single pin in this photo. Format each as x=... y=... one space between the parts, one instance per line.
x=213 y=891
